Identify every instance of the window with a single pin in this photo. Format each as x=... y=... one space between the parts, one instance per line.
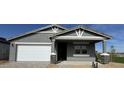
x=80 y=49
x=77 y=49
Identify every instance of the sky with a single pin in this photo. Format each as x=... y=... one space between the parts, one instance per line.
x=114 y=30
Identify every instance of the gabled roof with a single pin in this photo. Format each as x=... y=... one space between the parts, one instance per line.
x=65 y=30
x=3 y=40
x=84 y=28
x=38 y=30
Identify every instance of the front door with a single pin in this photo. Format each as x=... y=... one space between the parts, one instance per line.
x=62 y=51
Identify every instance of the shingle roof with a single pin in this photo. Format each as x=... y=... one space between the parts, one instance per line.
x=3 y=40
x=37 y=30
x=85 y=28
x=65 y=30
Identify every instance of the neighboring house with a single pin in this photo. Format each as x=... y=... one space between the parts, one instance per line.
x=4 y=49
x=76 y=44
x=119 y=54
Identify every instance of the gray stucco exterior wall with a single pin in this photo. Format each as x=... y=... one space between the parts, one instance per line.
x=91 y=49
x=44 y=38
x=4 y=51
x=91 y=53
x=70 y=49
x=12 y=53
x=38 y=37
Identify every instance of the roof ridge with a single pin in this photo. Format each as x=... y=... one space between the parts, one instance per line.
x=37 y=30
x=86 y=28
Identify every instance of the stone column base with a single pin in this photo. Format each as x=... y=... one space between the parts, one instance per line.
x=53 y=59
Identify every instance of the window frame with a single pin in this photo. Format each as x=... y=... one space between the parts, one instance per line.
x=80 y=49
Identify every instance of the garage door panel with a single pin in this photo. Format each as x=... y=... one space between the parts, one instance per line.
x=33 y=53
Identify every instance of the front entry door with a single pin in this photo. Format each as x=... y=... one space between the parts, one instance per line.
x=62 y=51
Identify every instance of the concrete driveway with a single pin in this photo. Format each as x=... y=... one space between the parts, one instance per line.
x=74 y=64
x=64 y=64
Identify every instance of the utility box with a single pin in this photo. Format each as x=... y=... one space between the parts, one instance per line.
x=105 y=58
x=53 y=58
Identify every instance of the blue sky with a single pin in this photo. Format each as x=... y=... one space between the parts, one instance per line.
x=115 y=30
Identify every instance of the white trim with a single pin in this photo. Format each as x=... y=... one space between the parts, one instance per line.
x=46 y=32
x=79 y=33
x=80 y=38
x=37 y=43
x=81 y=55
x=53 y=53
x=55 y=29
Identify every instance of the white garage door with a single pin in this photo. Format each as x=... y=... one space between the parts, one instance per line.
x=33 y=52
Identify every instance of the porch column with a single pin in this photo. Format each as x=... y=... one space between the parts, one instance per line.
x=105 y=57
x=53 y=47
x=104 y=46
x=53 y=53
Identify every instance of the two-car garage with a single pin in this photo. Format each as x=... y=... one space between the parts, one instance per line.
x=33 y=52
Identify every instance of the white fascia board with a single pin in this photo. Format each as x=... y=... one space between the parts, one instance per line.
x=81 y=55
x=35 y=43
x=80 y=38
x=47 y=32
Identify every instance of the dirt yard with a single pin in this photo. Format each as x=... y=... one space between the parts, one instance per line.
x=3 y=61
x=112 y=65
x=66 y=64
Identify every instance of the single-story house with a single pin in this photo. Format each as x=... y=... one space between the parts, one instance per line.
x=56 y=42
x=4 y=49
x=119 y=54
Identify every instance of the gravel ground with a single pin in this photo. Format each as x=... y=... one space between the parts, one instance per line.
x=64 y=64
x=24 y=65
x=112 y=65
